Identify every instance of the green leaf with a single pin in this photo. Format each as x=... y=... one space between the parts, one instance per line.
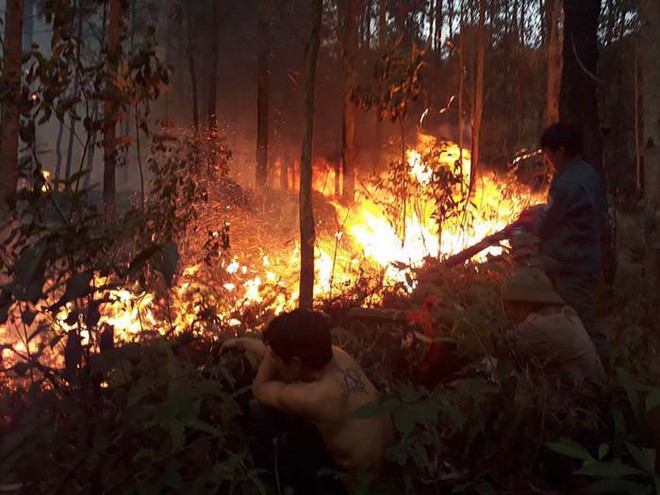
x=376 y=408
x=603 y=449
x=645 y=458
x=607 y=469
x=569 y=448
x=482 y=487
x=405 y=419
x=77 y=286
x=28 y=317
x=630 y=382
x=618 y=486
x=196 y=424
x=653 y=399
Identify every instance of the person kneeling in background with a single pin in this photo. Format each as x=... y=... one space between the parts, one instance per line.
x=305 y=393
x=547 y=329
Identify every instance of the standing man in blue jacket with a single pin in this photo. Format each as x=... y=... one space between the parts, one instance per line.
x=570 y=228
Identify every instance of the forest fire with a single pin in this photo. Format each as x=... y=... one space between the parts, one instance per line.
x=374 y=244
x=366 y=244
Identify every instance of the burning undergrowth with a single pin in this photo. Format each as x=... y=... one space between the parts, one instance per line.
x=226 y=259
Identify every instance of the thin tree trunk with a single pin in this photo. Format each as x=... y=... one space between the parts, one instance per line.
x=10 y=111
x=382 y=42
x=191 y=68
x=439 y=23
x=521 y=76
x=554 y=61
x=213 y=74
x=111 y=108
x=95 y=107
x=479 y=92
x=91 y=154
x=28 y=26
x=461 y=83
x=650 y=61
x=307 y=232
x=284 y=174
x=262 y=94
x=638 y=148
x=72 y=131
x=58 y=149
x=349 y=37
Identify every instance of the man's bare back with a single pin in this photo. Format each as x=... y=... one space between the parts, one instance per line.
x=344 y=388
x=302 y=375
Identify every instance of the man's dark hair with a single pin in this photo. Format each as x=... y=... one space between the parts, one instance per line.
x=303 y=334
x=562 y=136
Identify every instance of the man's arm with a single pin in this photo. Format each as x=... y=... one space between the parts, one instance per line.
x=555 y=215
x=299 y=399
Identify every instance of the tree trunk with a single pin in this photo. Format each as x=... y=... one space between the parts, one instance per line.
x=439 y=23
x=479 y=92
x=58 y=149
x=638 y=145
x=72 y=130
x=213 y=74
x=553 y=87
x=262 y=94
x=111 y=108
x=191 y=67
x=28 y=25
x=382 y=42
x=284 y=173
x=650 y=58
x=11 y=117
x=349 y=39
x=461 y=82
x=579 y=103
x=307 y=233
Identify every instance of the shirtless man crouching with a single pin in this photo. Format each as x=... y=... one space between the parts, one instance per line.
x=306 y=391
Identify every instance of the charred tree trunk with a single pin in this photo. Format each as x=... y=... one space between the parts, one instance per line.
x=554 y=61
x=650 y=58
x=11 y=116
x=479 y=92
x=191 y=67
x=213 y=74
x=579 y=104
x=307 y=232
x=349 y=39
x=261 y=175
x=111 y=108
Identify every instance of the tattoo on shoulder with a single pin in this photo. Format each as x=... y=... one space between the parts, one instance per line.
x=353 y=381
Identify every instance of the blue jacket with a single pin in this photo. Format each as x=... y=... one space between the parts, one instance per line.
x=571 y=228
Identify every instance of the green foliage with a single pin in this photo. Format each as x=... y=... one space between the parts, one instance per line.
x=142 y=420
